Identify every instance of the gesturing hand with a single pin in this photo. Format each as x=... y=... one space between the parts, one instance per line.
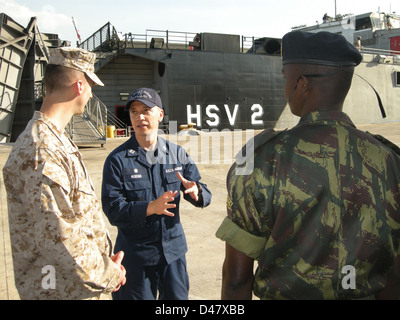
x=190 y=187
x=161 y=205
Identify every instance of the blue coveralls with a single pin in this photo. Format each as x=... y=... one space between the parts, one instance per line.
x=154 y=246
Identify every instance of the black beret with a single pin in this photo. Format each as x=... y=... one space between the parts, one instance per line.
x=322 y=48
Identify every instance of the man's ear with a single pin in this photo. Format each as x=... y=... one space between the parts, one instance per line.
x=79 y=86
x=161 y=115
x=303 y=83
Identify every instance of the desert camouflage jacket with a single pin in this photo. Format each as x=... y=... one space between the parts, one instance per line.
x=320 y=211
x=60 y=245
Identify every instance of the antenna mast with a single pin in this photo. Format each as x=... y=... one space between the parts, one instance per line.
x=77 y=31
x=335 y=10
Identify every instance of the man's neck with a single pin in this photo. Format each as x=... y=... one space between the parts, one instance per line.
x=147 y=142
x=57 y=116
x=321 y=105
x=58 y=110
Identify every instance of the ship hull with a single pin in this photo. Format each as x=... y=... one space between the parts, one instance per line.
x=213 y=90
x=217 y=90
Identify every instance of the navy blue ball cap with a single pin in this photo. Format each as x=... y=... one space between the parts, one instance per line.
x=322 y=48
x=147 y=96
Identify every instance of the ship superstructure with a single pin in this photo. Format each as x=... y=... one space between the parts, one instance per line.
x=211 y=81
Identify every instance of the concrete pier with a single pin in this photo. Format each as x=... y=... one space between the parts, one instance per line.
x=206 y=252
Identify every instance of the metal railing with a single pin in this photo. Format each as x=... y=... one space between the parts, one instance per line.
x=380 y=51
x=107 y=39
x=248 y=43
x=112 y=120
x=96 y=111
x=382 y=55
x=91 y=126
x=104 y=39
x=158 y=39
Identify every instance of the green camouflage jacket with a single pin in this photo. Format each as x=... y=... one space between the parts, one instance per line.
x=320 y=211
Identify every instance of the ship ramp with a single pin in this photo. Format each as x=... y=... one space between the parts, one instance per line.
x=15 y=45
x=24 y=54
x=91 y=126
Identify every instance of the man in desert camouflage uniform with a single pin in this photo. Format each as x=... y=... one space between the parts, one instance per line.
x=320 y=212
x=60 y=245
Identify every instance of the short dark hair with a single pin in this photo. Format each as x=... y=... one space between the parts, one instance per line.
x=57 y=77
x=336 y=81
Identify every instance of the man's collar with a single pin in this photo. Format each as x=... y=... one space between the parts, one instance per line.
x=326 y=117
x=60 y=134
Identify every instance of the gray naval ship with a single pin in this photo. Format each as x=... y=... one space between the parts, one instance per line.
x=206 y=81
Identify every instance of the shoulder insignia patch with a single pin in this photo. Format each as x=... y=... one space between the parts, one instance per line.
x=229 y=203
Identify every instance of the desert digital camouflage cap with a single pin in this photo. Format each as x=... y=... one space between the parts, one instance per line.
x=77 y=59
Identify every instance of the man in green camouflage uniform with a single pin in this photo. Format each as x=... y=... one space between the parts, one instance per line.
x=60 y=245
x=320 y=211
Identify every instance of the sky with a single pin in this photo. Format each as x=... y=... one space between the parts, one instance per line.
x=258 y=18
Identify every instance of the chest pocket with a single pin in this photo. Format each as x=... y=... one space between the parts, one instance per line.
x=137 y=185
x=172 y=181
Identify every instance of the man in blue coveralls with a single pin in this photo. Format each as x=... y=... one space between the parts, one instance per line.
x=140 y=195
